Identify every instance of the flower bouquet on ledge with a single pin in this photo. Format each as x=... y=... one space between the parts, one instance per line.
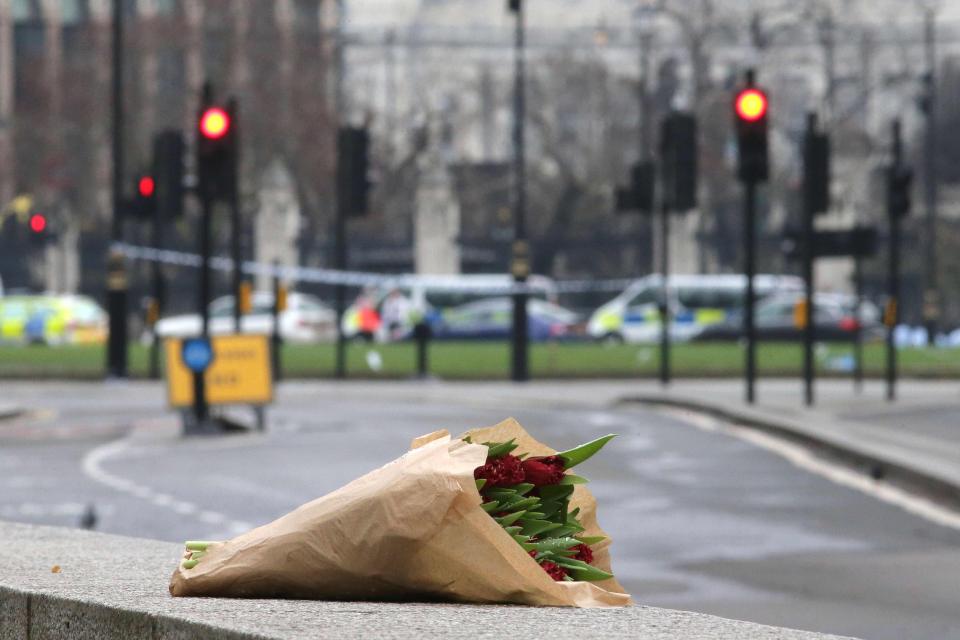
x=490 y=517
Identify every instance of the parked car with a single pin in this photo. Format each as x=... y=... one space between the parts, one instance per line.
x=492 y=319
x=835 y=320
x=696 y=301
x=426 y=296
x=306 y=319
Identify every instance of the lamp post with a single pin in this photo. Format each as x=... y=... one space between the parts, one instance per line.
x=520 y=260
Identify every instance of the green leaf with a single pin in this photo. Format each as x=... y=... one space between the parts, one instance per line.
x=500 y=449
x=490 y=507
x=537 y=527
x=583 y=571
x=591 y=540
x=573 y=514
x=513 y=530
x=508 y=520
x=534 y=515
x=575 y=456
x=555 y=544
x=522 y=489
x=554 y=491
x=480 y=483
x=189 y=564
x=524 y=504
x=563 y=531
x=571 y=478
x=468 y=440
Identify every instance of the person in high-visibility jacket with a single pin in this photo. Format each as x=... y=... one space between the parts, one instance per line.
x=368 y=320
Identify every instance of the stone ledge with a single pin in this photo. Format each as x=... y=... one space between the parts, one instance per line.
x=112 y=587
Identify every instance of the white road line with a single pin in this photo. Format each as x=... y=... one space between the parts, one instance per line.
x=93 y=467
x=807 y=460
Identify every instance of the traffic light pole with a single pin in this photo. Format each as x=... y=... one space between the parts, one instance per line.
x=665 y=295
x=340 y=291
x=200 y=409
x=857 y=330
x=892 y=312
x=749 y=223
x=521 y=258
x=236 y=224
x=808 y=266
x=276 y=341
x=116 y=268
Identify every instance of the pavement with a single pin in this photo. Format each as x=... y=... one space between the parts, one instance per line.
x=56 y=583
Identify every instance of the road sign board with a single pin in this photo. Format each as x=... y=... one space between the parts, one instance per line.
x=239 y=372
x=856 y=242
x=196 y=354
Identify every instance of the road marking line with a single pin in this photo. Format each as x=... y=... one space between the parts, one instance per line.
x=92 y=467
x=807 y=460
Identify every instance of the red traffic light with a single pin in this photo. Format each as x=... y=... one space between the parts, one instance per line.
x=146 y=185
x=38 y=223
x=214 y=123
x=751 y=105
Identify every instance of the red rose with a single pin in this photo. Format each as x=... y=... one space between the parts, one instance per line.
x=543 y=470
x=584 y=553
x=553 y=570
x=500 y=472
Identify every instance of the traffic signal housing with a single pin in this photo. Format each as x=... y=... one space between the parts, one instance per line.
x=353 y=183
x=144 y=201
x=899 y=187
x=168 y=154
x=639 y=194
x=678 y=153
x=750 y=110
x=816 y=170
x=38 y=226
x=217 y=149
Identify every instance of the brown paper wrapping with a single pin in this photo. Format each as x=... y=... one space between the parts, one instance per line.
x=411 y=530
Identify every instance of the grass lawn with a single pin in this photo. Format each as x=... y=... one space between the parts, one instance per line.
x=491 y=360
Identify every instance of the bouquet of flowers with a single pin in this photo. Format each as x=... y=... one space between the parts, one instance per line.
x=492 y=516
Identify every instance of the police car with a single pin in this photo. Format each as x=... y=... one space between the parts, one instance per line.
x=696 y=301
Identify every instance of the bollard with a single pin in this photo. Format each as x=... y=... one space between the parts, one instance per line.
x=422 y=334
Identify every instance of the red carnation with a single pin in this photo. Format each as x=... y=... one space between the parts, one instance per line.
x=500 y=472
x=584 y=553
x=543 y=470
x=553 y=570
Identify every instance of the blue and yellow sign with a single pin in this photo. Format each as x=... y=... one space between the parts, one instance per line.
x=239 y=372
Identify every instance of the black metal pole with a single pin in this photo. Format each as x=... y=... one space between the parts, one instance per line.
x=931 y=295
x=893 y=275
x=236 y=223
x=340 y=291
x=521 y=257
x=200 y=408
x=808 y=260
x=276 y=340
x=857 y=329
x=161 y=211
x=665 y=316
x=116 y=269
x=749 y=223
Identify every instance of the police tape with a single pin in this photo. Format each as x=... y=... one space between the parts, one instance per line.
x=364 y=279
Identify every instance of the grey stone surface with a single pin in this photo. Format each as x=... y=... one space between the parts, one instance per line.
x=116 y=587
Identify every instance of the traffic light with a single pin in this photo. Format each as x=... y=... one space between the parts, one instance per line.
x=145 y=196
x=750 y=109
x=168 y=151
x=678 y=152
x=899 y=187
x=816 y=170
x=39 y=227
x=639 y=194
x=216 y=149
x=353 y=184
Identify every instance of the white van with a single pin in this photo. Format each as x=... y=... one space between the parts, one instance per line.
x=426 y=295
x=695 y=301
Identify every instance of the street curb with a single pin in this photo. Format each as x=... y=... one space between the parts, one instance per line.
x=875 y=461
x=64 y=583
